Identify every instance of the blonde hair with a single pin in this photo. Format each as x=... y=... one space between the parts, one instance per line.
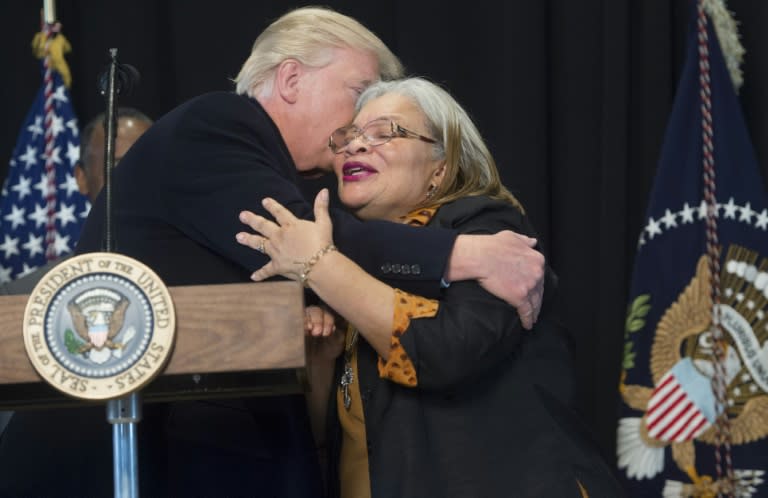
x=309 y=35
x=470 y=167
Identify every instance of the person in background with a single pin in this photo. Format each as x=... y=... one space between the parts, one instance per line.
x=89 y=170
x=447 y=397
x=181 y=187
x=89 y=173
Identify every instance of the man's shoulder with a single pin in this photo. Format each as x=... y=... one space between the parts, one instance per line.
x=218 y=110
x=216 y=97
x=219 y=100
x=208 y=105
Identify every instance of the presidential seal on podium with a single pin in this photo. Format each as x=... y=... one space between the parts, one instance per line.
x=99 y=326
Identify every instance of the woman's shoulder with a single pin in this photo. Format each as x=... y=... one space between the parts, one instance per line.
x=477 y=205
x=482 y=213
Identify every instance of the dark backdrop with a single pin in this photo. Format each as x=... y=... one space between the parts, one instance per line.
x=573 y=97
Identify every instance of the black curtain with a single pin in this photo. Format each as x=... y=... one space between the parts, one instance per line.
x=572 y=96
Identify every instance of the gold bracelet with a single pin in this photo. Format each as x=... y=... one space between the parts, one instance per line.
x=307 y=265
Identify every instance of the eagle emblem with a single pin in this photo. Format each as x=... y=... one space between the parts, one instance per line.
x=680 y=409
x=97 y=316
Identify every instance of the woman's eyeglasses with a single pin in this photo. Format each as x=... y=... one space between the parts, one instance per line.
x=377 y=132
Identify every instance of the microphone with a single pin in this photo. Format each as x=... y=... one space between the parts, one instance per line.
x=126 y=78
x=114 y=80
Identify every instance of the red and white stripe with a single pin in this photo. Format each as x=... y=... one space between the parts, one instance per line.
x=672 y=416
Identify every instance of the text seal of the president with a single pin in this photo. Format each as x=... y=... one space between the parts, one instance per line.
x=99 y=326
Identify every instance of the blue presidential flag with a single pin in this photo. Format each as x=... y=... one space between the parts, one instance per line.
x=41 y=215
x=668 y=432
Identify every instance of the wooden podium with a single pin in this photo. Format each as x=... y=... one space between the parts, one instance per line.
x=232 y=340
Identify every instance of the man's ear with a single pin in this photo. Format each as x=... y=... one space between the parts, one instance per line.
x=287 y=79
x=80 y=176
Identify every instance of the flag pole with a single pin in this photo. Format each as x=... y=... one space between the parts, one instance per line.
x=49 y=29
x=49 y=11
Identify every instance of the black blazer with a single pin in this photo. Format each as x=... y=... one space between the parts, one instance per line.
x=177 y=195
x=491 y=415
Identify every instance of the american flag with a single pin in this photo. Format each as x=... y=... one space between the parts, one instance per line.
x=24 y=201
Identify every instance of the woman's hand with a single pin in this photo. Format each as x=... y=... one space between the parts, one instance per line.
x=289 y=241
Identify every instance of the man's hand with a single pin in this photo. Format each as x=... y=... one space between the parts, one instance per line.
x=326 y=342
x=506 y=265
x=319 y=322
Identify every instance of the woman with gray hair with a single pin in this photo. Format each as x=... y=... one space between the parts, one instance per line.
x=448 y=397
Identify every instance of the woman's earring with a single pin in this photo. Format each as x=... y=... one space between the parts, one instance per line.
x=431 y=191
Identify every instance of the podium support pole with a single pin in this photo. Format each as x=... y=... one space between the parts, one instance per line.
x=124 y=414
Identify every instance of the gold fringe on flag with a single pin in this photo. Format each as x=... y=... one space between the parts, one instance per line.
x=727 y=31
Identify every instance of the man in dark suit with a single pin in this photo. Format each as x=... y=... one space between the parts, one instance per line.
x=181 y=188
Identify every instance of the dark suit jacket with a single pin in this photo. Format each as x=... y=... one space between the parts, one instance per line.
x=490 y=416
x=177 y=195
